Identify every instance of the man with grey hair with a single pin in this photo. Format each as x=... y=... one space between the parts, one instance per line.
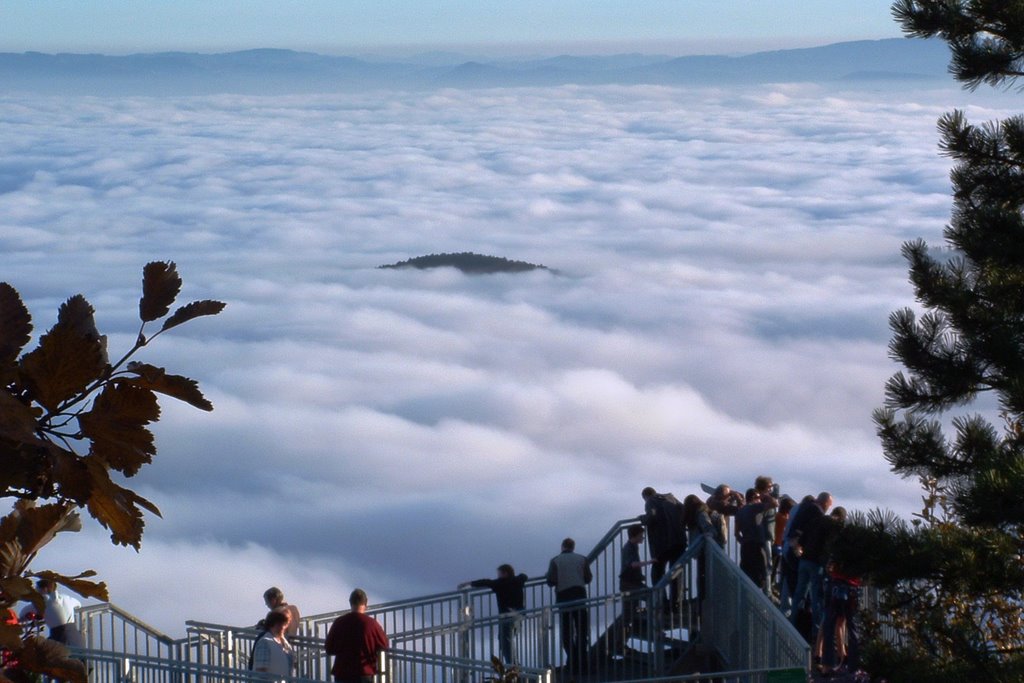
x=273 y=597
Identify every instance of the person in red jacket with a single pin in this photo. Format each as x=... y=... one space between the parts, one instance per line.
x=355 y=640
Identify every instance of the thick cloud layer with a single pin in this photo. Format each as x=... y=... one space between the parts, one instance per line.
x=726 y=261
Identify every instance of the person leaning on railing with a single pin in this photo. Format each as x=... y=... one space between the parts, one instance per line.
x=511 y=599
x=632 y=577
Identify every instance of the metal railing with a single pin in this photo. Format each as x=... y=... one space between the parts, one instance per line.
x=441 y=609
x=703 y=600
x=105 y=626
x=409 y=666
x=112 y=667
x=742 y=624
x=735 y=676
x=227 y=646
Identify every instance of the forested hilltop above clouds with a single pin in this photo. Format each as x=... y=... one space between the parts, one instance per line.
x=269 y=71
x=467 y=262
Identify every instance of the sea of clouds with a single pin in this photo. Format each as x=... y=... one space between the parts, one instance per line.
x=725 y=263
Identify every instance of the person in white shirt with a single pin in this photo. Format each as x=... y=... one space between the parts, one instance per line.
x=59 y=614
x=272 y=653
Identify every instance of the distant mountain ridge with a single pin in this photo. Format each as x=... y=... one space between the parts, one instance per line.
x=275 y=71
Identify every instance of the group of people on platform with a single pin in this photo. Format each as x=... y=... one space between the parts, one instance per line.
x=784 y=548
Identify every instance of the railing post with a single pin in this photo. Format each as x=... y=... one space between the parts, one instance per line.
x=655 y=615
x=126 y=671
x=182 y=651
x=228 y=657
x=465 y=623
x=545 y=634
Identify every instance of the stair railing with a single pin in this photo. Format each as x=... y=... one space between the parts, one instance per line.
x=105 y=626
x=742 y=624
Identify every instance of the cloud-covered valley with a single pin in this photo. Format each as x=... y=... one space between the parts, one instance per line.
x=726 y=260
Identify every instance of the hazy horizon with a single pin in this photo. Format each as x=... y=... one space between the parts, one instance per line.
x=121 y=26
x=500 y=51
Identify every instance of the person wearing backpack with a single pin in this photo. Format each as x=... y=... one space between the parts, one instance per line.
x=271 y=652
x=666 y=534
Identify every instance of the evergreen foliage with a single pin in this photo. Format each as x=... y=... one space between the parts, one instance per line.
x=467 y=262
x=954 y=417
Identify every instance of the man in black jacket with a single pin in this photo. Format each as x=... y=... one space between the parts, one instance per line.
x=511 y=599
x=666 y=534
x=810 y=570
x=751 y=534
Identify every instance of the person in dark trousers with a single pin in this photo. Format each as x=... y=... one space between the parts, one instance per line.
x=767 y=487
x=59 y=614
x=355 y=640
x=631 y=576
x=790 y=561
x=666 y=534
x=807 y=536
x=511 y=599
x=750 y=532
x=569 y=574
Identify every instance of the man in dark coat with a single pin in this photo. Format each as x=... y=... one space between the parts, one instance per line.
x=511 y=599
x=666 y=533
x=750 y=532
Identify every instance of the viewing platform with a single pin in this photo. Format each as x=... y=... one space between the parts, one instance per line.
x=723 y=628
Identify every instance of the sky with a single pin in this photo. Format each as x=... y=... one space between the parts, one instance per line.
x=725 y=261
x=345 y=26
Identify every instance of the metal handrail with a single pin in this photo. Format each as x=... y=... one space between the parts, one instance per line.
x=733 y=676
x=742 y=623
x=83 y=614
x=112 y=667
x=465 y=625
x=605 y=576
x=612 y=534
x=400 y=666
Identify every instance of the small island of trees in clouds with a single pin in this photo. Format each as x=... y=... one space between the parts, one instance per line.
x=467 y=262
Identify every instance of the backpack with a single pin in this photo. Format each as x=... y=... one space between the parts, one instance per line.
x=673 y=512
x=252 y=651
